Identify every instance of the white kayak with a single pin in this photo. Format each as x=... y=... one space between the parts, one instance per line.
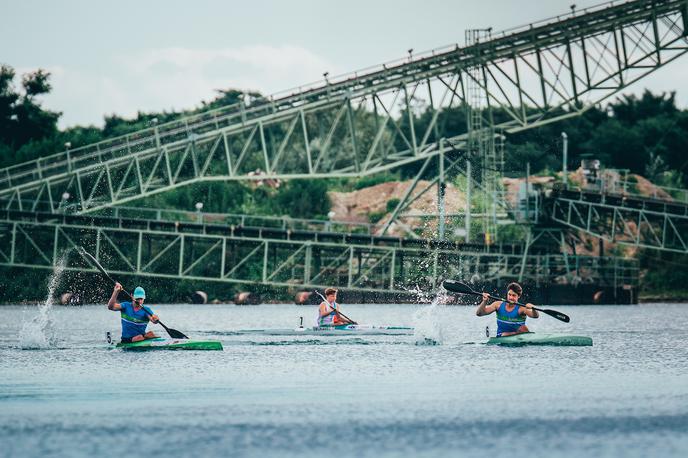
x=343 y=330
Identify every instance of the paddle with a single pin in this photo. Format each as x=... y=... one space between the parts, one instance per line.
x=172 y=332
x=340 y=313
x=462 y=288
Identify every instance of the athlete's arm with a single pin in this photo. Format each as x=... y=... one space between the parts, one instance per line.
x=112 y=303
x=529 y=311
x=151 y=316
x=485 y=309
x=324 y=309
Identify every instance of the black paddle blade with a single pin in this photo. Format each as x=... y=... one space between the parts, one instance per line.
x=558 y=315
x=456 y=286
x=174 y=333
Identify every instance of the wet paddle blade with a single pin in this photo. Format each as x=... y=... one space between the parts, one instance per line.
x=554 y=314
x=174 y=333
x=458 y=287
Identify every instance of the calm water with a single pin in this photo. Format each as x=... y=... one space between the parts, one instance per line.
x=369 y=396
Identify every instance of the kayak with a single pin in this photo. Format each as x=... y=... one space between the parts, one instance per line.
x=531 y=338
x=171 y=344
x=343 y=330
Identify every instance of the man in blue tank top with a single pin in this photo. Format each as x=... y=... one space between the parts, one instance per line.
x=135 y=316
x=511 y=318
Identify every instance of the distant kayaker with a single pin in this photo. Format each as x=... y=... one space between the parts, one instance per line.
x=328 y=312
x=511 y=318
x=135 y=317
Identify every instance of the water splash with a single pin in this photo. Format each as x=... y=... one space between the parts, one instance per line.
x=39 y=332
x=430 y=322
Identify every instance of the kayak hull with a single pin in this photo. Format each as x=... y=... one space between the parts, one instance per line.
x=531 y=338
x=344 y=330
x=171 y=344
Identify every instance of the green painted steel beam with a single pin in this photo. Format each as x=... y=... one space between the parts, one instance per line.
x=277 y=262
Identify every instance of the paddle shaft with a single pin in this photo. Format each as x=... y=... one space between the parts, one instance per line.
x=172 y=332
x=494 y=298
x=463 y=288
x=340 y=313
x=553 y=313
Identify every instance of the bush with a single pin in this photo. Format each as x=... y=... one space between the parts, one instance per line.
x=374 y=217
x=392 y=204
x=304 y=198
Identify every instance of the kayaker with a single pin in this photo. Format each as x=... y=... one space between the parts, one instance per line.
x=511 y=318
x=328 y=312
x=135 y=317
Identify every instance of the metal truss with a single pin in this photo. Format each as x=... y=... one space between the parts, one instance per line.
x=285 y=263
x=374 y=120
x=643 y=223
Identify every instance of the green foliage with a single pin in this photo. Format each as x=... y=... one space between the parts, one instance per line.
x=22 y=118
x=666 y=272
x=374 y=217
x=304 y=198
x=392 y=204
x=512 y=233
x=372 y=180
x=632 y=133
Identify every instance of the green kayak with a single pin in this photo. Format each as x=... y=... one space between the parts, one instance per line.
x=171 y=344
x=531 y=338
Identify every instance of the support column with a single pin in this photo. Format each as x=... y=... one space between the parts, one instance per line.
x=440 y=192
x=468 y=201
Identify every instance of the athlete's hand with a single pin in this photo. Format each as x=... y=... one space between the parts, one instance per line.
x=154 y=318
x=486 y=297
x=529 y=306
x=118 y=287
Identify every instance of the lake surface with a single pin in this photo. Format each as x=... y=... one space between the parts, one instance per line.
x=374 y=396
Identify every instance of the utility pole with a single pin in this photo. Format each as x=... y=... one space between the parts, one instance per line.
x=468 y=201
x=564 y=169
x=440 y=190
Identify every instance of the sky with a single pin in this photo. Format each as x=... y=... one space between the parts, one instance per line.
x=121 y=57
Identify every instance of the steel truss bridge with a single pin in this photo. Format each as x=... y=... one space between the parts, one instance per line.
x=353 y=125
x=633 y=221
x=278 y=257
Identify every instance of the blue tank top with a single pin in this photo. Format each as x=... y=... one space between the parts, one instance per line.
x=327 y=320
x=509 y=321
x=134 y=322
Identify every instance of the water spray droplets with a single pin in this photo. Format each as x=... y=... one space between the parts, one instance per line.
x=39 y=332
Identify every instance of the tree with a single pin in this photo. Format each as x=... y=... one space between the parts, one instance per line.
x=22 y=117
x=304 y=198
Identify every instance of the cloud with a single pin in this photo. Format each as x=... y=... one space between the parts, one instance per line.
x=176 y=78
x=180 y=78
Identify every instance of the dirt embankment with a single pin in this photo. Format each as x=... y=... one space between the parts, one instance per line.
x=372 y=203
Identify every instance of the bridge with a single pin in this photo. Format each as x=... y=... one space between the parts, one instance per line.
x=627 y=220
x=282 y=258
